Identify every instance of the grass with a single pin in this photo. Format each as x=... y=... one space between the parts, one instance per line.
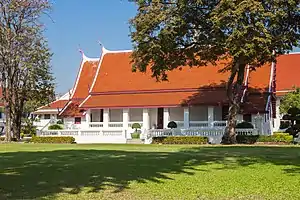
x=43 y=171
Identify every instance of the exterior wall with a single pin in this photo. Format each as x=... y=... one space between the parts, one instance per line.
x=198 y=113
x=176 y=114
x=116 y=115
x=136 y=114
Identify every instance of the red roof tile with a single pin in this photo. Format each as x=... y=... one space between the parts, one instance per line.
x=287 y=73
x=84 y=79
x=58 y=104
x=117 y=86
x=72 y=110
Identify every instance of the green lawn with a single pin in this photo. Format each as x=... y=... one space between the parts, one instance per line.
x=36 y=171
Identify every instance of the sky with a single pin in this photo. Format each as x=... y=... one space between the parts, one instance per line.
x=80 y=24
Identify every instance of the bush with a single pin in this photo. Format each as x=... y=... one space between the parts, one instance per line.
x=244 y=125
x=180 y=140
x=68 y=140
x=55 y=127
x=172 y=124
x=28 y=128
x=2 y=138
x=276 y=138
x=60 y=122
x=135 y=135
x=136 y=126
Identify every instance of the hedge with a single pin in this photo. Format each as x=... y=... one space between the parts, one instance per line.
x=180 y=140
x=68 y=140
x=276 y=138
x=55 y=127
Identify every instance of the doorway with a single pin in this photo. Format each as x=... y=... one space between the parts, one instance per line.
x=160 y=118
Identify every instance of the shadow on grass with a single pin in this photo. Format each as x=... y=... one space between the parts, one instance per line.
x=29 y=175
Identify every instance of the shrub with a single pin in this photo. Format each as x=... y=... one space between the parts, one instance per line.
x=180 y=140
x=60 y=122
x=68 y=140
x=172 y=124
x=276 y=138
x=28 y=128
x=2 y=138
x=244 y=125
x=135 y=135
x=55 y=127
x=136 y=126
x=246 y=139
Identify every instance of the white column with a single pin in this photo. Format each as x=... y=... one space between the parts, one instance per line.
x=105 y=117
x=210 y=116
x=277 y=119
x=146 y=119
x=125 y=118
x=166 y=117
x=88 y=118
x=186 y=117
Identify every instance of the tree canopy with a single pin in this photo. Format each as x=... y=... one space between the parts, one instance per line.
x=170 y=33
x=290 y=100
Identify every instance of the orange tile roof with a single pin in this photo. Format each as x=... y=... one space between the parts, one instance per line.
x=72 y=110
x=117 y=86
x=116 y=75
x=84 y=79
x=287 y=73
x=58 y=104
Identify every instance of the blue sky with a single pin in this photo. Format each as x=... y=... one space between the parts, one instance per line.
x=80 y=24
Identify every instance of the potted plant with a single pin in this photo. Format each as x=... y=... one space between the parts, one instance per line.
x=172 y=125
x=136 y=133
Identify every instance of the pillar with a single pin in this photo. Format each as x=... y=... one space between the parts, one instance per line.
x=88 y=116
x=146 y=119
x=186 y=117
x=125 y=118
x=105 y=117
x=166 y=117
x=210 y=115
x=277 y=119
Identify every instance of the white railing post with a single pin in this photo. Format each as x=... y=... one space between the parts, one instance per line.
x=186 y=118
x=166 y=117
x=210 y=116
x=105 y=117
x=146 y=119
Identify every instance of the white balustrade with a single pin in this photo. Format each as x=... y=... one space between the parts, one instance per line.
x=196 y=124
x=96 y=124
x=246 y=131
x=219 y=123
x=131 y=123
x=115 y=124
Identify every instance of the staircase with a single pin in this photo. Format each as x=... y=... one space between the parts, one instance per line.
x=134 y=141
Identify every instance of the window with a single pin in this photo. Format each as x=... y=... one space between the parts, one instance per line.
x=0 y=115
x=77 y=120
x=225 y=112
x=247 y=117
x=101 y=115
x=47 y=116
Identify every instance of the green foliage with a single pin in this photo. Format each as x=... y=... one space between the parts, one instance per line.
x=60 y=122
x=276 y=138
x=55 y=127
x=68 y=140
x=136 y=126
x=28 y=128
x=2 y=138
x=180 y=140
x=244 y=125
x=290 y=100
x=135 y=135
x=172 y=124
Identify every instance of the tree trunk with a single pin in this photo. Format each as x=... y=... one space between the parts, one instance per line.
x=234 y=97
x=7 y=124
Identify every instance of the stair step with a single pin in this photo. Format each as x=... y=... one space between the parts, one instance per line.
x=135 y=141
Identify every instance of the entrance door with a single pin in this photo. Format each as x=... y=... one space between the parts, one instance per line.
x=160 y=118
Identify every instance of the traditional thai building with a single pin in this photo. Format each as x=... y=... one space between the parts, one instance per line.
x=287 y=78
x=192 y=97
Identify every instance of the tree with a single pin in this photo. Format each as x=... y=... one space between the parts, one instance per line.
x=290 y=108
x=172 y=33
x=24 y=58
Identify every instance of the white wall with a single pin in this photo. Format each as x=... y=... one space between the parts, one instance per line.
x=198 y=113
x=176 y=114
x=116 y=115
x=135 y=114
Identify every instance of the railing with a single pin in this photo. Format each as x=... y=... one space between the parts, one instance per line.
x=246 y=131
x=219 y=123
x=96 y=124
x=106 y=133
x=199 y=124
x=115 y=124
